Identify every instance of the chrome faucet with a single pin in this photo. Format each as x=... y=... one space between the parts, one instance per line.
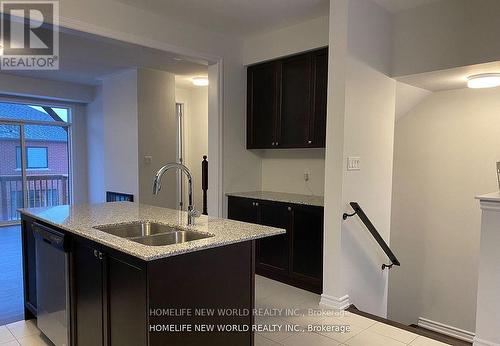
x=192 y=212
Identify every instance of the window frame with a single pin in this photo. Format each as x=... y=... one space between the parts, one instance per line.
x=71 y=107
x=18 y=158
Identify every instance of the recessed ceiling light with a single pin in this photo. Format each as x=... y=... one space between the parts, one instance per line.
x=200 y=81
x=484 y=80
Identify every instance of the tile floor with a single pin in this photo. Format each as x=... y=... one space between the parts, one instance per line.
x=271 y=296
x=362 y=331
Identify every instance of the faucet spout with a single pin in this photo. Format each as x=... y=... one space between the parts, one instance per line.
x=192 y=213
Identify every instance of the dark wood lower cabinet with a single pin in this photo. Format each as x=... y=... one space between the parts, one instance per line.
x=295 y=258
x=119 y=300
x=272 y=252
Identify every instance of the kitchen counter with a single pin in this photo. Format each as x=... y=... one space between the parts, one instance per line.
x=81 y=220
x=281 y=197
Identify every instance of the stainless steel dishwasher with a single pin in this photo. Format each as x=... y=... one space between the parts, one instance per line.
x=52 y=274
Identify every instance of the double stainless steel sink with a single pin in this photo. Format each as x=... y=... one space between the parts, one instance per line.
x=153 y=234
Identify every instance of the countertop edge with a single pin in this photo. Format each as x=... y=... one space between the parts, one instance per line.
x=109 y=244
x=286 y=198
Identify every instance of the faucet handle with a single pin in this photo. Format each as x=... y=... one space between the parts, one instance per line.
x=195 y=213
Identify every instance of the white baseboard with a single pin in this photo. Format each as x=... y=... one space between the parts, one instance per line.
x=480 y=342
x=446 y=329
x=334 y=302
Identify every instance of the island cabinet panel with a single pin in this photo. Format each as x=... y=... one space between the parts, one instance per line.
x=295 y=258
x=109 y=297
x=127 y=303
x=29 y=267
x=286 y=102
x=87 y=281
x=218 y=279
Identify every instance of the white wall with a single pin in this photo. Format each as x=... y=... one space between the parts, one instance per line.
x=79 y=154
x=156 y=134
x=195 y=102
x=446 y=34
x=286 y=41
x=283 y=170
x=120 y=123
x=445 y=154
x=361 y=115
x=95 y=149
x=241 y=171
x=45 y=89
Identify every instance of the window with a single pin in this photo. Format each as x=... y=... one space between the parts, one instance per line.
x=36 y=157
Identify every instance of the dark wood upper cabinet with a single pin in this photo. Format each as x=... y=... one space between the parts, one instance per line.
x=286 y=102
x=317 y=125
x=262 y=106
x=295 y=111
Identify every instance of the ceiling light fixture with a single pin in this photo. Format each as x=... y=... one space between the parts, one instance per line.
x=200 y=81
x=484 y=80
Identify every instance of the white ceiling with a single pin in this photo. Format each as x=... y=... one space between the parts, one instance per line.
x=455 y=78
x=401 y=5
x=239 y=17
x=86 y=59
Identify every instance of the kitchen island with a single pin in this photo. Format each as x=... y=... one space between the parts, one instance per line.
x=170 y=285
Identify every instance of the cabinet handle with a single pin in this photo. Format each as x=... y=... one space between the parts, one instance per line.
x=289 y=208
x=272 y=144
x=256 y=204
x=100 y=255
x=309 y=142
x=277 y=144
x=96 y=254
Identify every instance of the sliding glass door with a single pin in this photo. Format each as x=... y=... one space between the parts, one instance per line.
x=11 y=179
x=35 y=158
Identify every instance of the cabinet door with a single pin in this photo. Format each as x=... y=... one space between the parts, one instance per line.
x=29 y=267
x=295 y=111
x=242 y=209
x=262 y=105
x=86 y=276
x=125 y=298
x=272 y=252
x=306 y=259
x=317 y=126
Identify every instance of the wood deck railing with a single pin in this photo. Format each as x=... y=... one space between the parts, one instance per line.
x=43 y=191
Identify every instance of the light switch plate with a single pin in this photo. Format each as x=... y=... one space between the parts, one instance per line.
x=498 y=174
x=353 y=163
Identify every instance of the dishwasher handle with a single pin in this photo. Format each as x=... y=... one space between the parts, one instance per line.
x=50 y=236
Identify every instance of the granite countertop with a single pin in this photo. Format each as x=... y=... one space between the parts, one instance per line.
x=81 y=220
x=281 y=197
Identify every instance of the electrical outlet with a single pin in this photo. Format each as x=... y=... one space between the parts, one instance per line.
x=353 y=163
x=148 y=159
x=306 y=176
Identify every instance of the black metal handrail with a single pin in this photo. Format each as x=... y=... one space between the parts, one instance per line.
x=381 y=242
